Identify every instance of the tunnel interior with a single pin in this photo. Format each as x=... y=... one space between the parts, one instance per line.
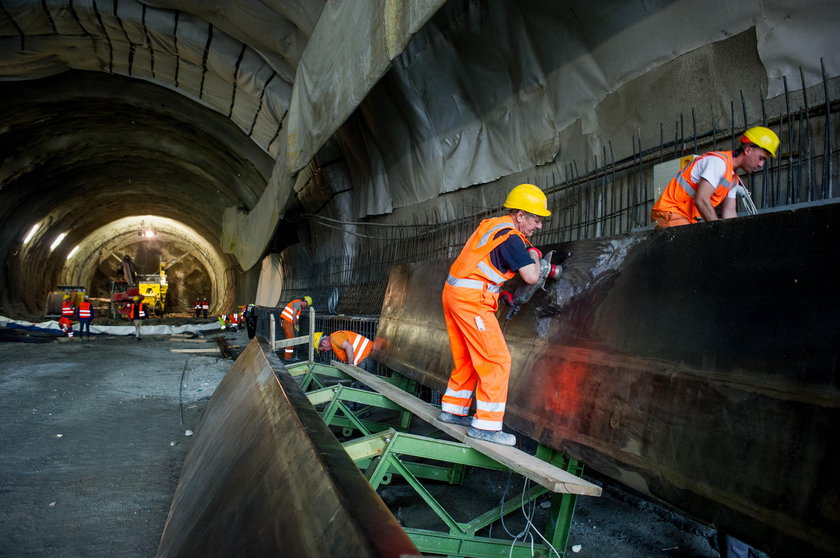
x=92 y=163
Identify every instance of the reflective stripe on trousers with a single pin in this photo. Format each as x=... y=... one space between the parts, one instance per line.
x=482 y=360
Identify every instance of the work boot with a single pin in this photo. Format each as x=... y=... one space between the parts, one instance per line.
x=451 y=418
x=494 y=436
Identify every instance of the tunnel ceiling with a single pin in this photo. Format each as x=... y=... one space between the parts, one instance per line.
x=84 y=149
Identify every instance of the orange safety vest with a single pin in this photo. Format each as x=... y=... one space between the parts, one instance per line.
x=678 y=196
x=291 y=313
x=67 y=309
x=473 y=268
x=234 y=319
x=198 y=305
x=361 y=346
x=85 y=310
x=205 y=305
x=137 y=311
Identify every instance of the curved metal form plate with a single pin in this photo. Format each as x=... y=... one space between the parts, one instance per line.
x=266 y=477
x=698 y=365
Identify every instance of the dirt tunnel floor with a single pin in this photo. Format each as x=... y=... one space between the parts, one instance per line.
x=88 y=466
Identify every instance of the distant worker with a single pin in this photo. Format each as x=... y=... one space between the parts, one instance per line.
x=495 y=252
x=711 y=180
x=250 y=317
x=205 y=307
x=222 y=321
x=66 y=326
x=85 y=315
x=291 y=316
x=234 y=321
x=348 y=346
x=197 y=307
x=67 y=309
x=138 y=312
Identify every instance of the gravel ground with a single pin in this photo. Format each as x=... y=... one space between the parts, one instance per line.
x=94 y=436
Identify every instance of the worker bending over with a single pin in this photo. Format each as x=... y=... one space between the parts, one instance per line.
x=496 y=252
x=291 y=317
x=710 y=180
x=348 y=346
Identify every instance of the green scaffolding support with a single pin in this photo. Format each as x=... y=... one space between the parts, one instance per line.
x=383 y=449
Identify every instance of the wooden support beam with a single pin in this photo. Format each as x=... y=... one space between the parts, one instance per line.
x=280 y=343
x=543 y=473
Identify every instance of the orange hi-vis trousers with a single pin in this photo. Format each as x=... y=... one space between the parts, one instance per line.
x=482 y=359
x=289 y=332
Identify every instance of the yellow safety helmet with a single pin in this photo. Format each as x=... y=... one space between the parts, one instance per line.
x=308 y=300
x=317 y=340
x=763 y=137
x=136 y=298
x=528 y=197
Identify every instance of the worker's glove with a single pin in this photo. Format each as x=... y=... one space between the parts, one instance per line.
x=535 y=253
x=506 y=297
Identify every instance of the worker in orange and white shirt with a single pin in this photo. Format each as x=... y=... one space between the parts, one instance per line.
x=290 y=317
x=348 y=346
x=711 y=180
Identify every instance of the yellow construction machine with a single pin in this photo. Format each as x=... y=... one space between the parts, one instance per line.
x=153 y=289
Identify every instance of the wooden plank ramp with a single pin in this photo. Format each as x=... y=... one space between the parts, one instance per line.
x=543 y=473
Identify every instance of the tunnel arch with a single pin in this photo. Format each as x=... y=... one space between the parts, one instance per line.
x=180 y=248
x=85 y=149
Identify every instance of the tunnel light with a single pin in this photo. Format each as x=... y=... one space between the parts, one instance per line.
x=57 y=241
x=149 y=233
x=73 y=252
x=31 y=233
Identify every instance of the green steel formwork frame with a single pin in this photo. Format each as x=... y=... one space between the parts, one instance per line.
x=386 y=449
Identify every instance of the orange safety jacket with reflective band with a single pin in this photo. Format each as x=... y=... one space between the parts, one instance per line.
x=137 y=311
x=67 y=309
x=198 y=305
x=361 y=346
x=85 y=310
x=678 y=196
x=473 y=268
x=291 y=313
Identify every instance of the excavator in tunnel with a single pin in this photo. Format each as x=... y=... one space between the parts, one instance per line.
x=150 y=288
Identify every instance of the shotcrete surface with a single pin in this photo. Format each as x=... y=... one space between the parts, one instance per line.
x=94 y=438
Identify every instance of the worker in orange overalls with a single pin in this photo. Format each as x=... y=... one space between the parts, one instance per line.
x=290 y=317
x=710 y=180
x=348 y=346
x=496 y=252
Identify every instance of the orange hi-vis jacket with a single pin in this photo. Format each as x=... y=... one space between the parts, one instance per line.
x=473 y=268
x=678 y=196
x=85 y=310
x=362 y=346
x=291 y=313
x=479 y=351
x=67 y=309
x=137 y=311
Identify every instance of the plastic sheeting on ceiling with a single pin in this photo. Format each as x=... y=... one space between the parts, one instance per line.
x=236 y=57
x=486 y=89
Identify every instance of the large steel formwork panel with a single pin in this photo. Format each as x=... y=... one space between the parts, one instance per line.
x=266 y=477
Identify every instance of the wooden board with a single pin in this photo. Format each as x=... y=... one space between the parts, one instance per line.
x=544 y=474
